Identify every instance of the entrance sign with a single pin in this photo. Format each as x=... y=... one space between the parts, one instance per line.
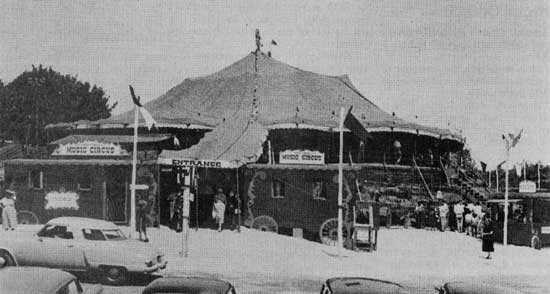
x=301 y=157
x=90 y=148
x=527 y=187
x=61 y=200
x=196 y=163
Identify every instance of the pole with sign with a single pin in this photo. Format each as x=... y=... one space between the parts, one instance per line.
x=133 y=186
x=187 y=197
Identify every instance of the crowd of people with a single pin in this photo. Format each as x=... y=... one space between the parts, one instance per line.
x=460 y=216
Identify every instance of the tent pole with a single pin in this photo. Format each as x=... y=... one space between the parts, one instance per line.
x=196 y=182
x=498 y=190
x=340 y=179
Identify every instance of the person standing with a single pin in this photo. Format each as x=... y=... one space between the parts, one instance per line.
x=9 y=214
x=218 y=210
x=459 y=215
x=487 y=236
x=142 y=219
x=235 y=210
x=443 y=215
x=419 y=214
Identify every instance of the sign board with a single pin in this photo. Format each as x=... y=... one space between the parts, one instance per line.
x=61 y=200
x=89 y=148
x=527 y=187
x=196 y=163
x=2 y=171
x=139 y=187
x=545 y=230
x=301 y=157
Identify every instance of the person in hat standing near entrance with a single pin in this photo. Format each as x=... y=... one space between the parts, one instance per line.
x=235 y=210
x=9 y=214
x=218 y=211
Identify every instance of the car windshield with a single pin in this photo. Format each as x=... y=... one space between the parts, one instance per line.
x=103 y=235
x=115 y=234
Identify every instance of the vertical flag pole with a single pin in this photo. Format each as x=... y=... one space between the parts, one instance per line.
x=133 y=185
x=340 y=179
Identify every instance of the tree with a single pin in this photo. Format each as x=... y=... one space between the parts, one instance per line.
x=43 y=96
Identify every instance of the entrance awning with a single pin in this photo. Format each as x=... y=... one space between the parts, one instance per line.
x=230 y=145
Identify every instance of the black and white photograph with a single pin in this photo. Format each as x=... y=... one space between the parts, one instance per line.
x=316 y=146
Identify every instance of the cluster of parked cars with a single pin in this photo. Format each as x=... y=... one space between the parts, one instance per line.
x=45 y=264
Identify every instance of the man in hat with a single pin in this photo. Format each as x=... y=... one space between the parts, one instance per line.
x=9 y=214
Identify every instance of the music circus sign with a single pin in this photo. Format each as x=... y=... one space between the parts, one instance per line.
x=90 y=149
x=302 y=157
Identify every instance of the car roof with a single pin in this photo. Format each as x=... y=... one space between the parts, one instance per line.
x=82 y=222
x=351 y=285
x=468 y=287
x=19 y=280
x=191 y=285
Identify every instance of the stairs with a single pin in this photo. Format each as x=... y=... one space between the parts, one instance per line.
x=470 y=185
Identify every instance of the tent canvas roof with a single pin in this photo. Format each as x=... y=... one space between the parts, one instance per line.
x=282 y=94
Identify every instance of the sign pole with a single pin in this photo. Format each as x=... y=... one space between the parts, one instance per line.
x=505 y=237
x=340 y=179
x=185 y=211
x=133 y=185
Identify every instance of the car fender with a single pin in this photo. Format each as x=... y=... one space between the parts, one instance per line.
x=10 y=252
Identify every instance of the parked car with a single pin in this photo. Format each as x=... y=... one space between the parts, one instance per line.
x=348 y=285
x=189 y=285
x=84 y=245
x=475 y=288
x=372 y=286
x=37 y=280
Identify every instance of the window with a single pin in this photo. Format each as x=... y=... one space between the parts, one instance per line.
x=318 y=190
x=36 y=179
x=277 y=189
x=94 y=235
x=54 y=231
x=85 y=182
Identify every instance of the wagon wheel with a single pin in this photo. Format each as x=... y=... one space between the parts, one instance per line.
x=328 y=233
x=265 y=223
x=27 y=218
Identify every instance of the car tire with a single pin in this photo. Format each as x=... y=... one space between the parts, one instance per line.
x=7 y=257
x=113 y=275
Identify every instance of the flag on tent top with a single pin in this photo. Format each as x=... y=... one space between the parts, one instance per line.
x=149 y=120
x=512 y=140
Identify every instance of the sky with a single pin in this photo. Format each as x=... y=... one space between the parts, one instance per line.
x=481 y=68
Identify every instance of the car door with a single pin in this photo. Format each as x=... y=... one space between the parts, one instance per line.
x=55 y=247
